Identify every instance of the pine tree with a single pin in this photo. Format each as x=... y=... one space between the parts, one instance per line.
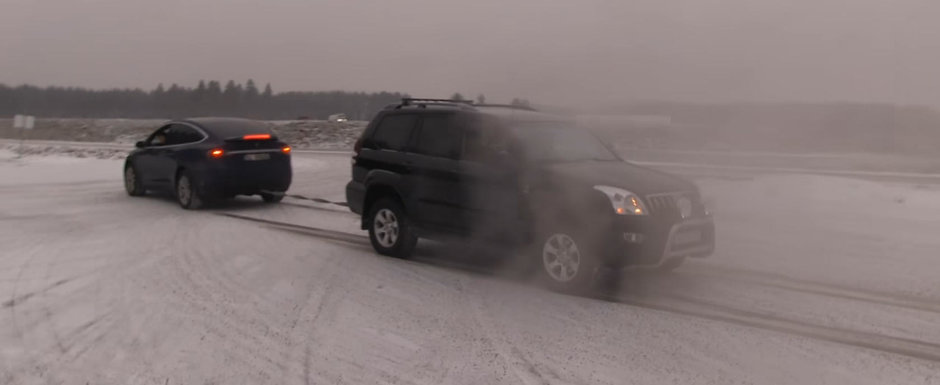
x=231 y=90
x=251 y=91
x=198 y=100
x=213 y=100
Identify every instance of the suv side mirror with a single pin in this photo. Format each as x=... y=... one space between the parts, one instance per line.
x=140 y=144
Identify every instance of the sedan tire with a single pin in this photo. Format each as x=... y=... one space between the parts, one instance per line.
x=187 y=192
x=132 y=181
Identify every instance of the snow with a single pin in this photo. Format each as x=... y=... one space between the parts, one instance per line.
x=101 y=288
x=298 y=133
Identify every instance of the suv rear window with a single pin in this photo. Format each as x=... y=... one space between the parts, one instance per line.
x=394 y=131
x=439 y=136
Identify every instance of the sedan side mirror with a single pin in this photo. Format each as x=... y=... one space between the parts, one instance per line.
x=140 y=144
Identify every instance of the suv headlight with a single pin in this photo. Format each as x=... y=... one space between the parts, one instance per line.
x=623 y=201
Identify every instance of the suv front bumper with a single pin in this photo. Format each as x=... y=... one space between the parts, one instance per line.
x=690 y=238
x=648 y=245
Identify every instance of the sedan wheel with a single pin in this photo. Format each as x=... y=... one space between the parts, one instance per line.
x=186 y=193
x=132 y=182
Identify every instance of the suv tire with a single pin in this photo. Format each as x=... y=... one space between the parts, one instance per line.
x=566 y=261
x=272 y=198
x=390 y=230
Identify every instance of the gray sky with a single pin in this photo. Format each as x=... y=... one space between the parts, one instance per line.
x=550 y=52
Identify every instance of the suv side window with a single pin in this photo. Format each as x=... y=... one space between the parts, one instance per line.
x=439 y=136
x=485 y=140
x=394 y=131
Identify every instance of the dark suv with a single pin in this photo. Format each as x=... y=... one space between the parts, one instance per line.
x=441 y=168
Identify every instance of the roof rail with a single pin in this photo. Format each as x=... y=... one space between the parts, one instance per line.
x=408 y=101
x=424 y=103
x=468 y=104
x=512 y=106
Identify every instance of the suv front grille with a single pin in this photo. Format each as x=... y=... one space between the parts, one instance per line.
x=665 y=205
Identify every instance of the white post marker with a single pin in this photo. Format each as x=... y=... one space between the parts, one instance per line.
x=26 y=122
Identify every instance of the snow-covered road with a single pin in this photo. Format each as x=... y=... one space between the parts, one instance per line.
x=816 y=280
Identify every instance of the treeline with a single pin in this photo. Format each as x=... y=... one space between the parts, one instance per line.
x=208 y=98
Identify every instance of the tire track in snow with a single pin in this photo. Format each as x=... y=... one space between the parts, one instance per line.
x=702 y=309
x=309 y=230
x=820 y=288
x=694 y=307
x=248 y=336
x=74 y=343
x=525 y=370
x=304 y=327
x=14 y=323
x=17 y=299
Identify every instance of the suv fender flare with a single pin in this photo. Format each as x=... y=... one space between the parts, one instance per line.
x=380 y=183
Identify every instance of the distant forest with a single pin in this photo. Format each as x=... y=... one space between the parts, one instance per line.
x=208 y=98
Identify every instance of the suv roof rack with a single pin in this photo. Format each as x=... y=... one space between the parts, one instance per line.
x=407 y=101
x=424 y=103
x=465 y=104
x=512 y=106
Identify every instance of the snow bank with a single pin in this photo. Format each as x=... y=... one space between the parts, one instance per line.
x=34 y=150
x=300 y=133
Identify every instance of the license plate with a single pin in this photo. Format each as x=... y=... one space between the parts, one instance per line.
x=686 y=237
x=257 y=156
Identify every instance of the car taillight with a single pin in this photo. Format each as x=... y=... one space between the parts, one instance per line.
x=257 y=137
x=285 y=149
x=216 y=153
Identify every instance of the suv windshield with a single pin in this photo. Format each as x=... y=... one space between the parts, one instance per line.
x=554 y=142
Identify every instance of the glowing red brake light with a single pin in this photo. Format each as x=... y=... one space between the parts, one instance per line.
x=257 y=137
x=286 y=149
x=216 y=153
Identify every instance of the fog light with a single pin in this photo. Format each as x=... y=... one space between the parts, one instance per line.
x=633 y=237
